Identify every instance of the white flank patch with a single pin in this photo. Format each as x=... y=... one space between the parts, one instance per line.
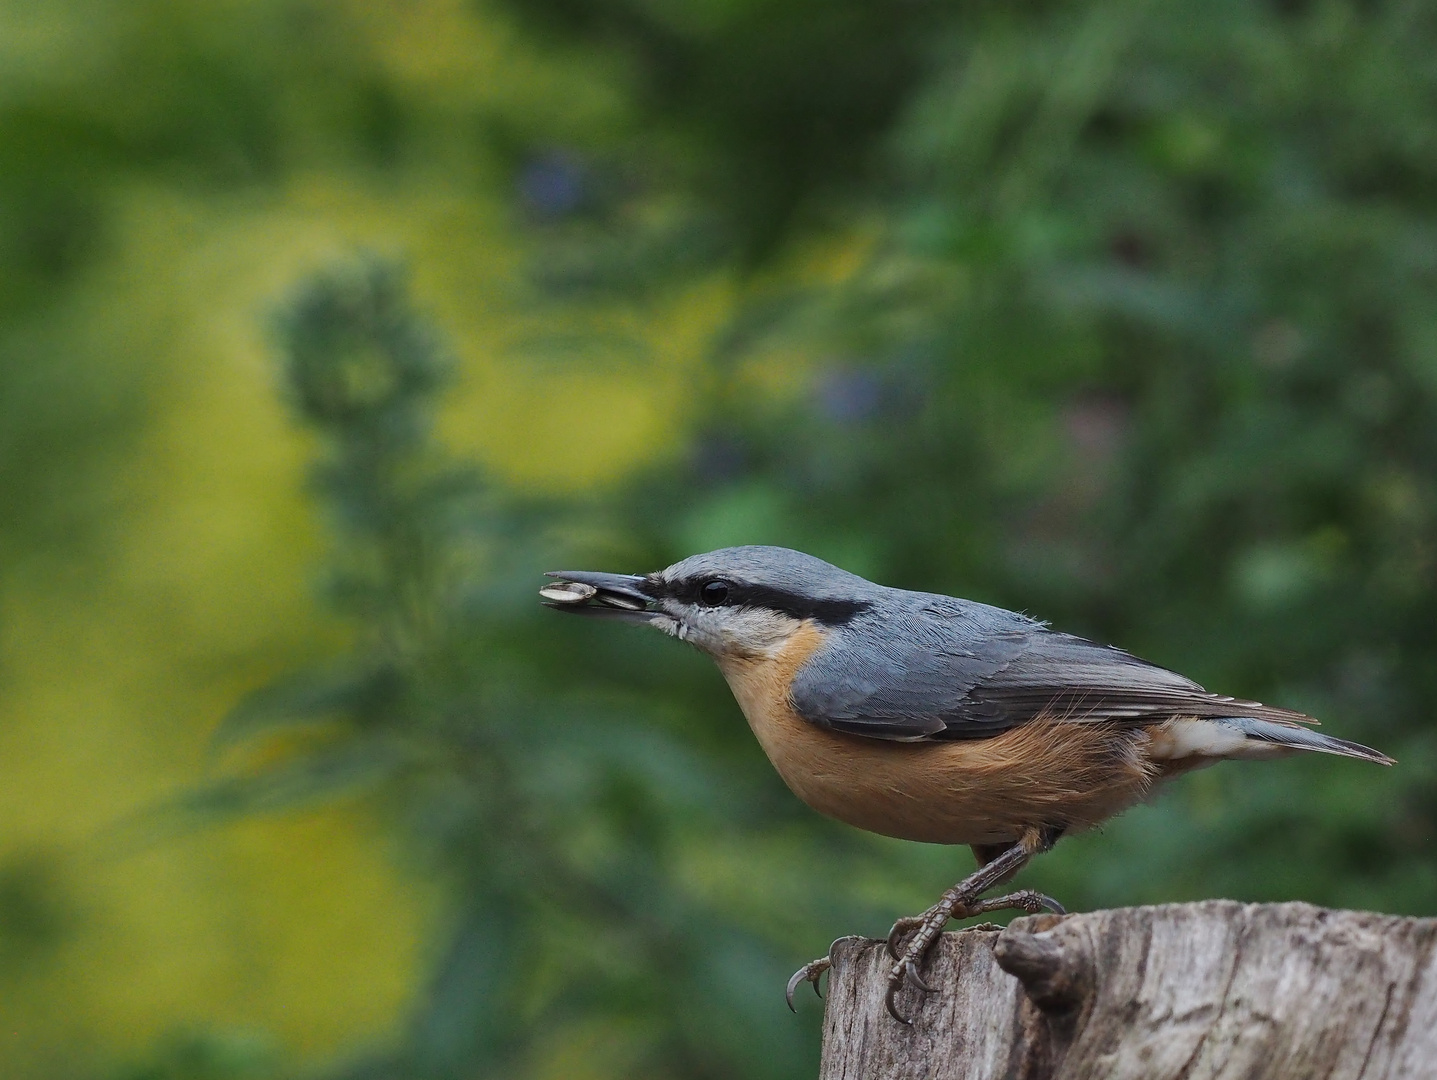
x=1205 y=738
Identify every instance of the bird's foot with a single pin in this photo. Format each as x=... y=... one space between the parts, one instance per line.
x=1025 y=900
x=909 y=954
x=811 y=972
x=901 y=929
x=909 y=942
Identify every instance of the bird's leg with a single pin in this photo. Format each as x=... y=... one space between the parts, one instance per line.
x=811 y=972
x=929 y=925
x=961 y=901
x=984 y=853
x=1034 y=840
x=1026 y=900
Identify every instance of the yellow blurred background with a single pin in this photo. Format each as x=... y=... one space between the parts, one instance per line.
x=122 y=653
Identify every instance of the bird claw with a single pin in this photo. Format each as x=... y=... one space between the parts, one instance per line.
x=900 y=929
x=911 y=970
x=893 y=988
x=905 y=968
x=809 y=973
x=927 y=928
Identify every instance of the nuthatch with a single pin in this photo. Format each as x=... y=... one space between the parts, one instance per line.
x=932 y=718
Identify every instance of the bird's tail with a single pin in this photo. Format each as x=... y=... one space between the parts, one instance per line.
x=1277 y=734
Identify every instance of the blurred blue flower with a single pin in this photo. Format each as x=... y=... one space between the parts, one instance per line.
x=553 y=184
x=848 y=395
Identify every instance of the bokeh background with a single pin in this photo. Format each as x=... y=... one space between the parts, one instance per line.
x=326 y=327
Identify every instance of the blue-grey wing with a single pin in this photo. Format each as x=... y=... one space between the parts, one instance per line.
x=939 y=674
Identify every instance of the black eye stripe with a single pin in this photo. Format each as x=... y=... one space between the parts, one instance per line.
x=742 y=594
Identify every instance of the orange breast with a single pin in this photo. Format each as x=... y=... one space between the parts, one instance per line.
x=978 y=791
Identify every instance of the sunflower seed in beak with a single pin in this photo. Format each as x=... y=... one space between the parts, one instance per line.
x=568 y=592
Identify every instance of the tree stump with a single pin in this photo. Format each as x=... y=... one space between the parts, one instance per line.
x=1217 y=990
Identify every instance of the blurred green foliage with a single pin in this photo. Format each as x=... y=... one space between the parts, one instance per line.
x=1116 y=312
x=559 y=824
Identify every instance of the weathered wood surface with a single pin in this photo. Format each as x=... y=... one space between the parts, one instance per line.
x=1217 y=991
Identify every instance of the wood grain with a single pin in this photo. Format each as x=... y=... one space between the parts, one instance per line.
x=1217 y=991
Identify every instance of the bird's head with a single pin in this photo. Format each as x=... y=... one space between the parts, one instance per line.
x=733 y=603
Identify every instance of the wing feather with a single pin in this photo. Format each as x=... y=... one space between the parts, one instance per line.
x=963 y=671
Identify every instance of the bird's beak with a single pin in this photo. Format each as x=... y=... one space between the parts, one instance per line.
x=615 y=596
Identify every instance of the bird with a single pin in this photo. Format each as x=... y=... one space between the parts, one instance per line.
x=933 y=718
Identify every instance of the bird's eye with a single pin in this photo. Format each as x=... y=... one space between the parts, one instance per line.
x=713 y=593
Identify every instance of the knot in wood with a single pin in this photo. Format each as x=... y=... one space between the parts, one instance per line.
x=1051 y=967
